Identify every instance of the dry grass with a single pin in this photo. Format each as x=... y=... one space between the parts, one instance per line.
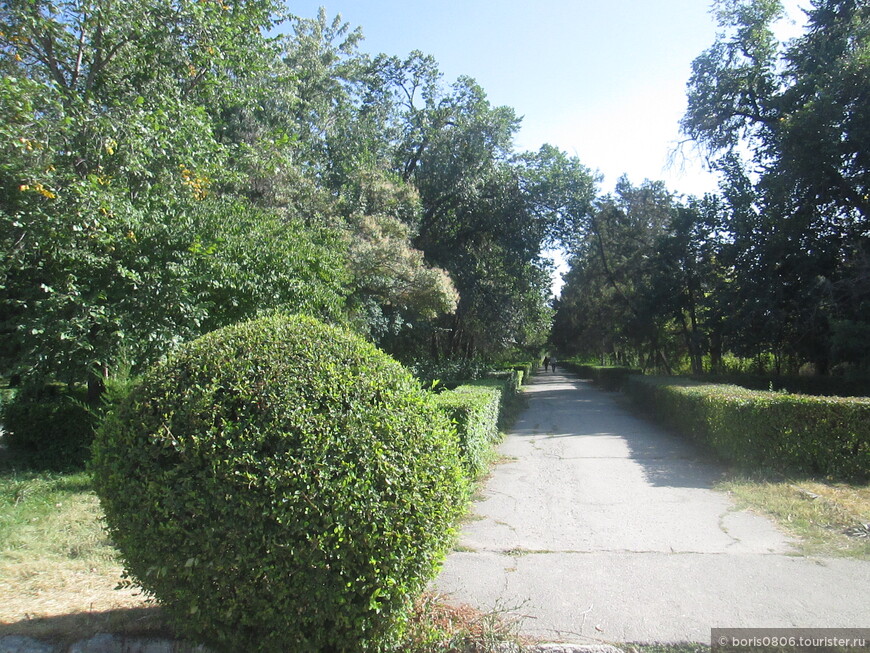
x=58 y=574
x=437 y=625
x=57 y=566
x=831 y=519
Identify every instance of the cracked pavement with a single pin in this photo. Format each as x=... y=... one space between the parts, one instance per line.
x=601 y=527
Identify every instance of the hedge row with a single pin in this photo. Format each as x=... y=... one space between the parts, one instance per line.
x=828 y=436
x=477 y=410
x=526 y=368
x=508 y=382
x=609 y=378
x=808 y=385
x=474 y=412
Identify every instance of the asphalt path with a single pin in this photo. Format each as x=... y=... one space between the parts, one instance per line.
x=599 y=526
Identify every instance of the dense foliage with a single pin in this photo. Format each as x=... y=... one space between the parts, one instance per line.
x=280 y=485
x=507 y=382
x=122 y=228
x=48 y=427
x=167 y=169
x=824 y=436
x=799 y=208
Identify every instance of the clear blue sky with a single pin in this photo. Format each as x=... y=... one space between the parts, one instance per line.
x=603 y=80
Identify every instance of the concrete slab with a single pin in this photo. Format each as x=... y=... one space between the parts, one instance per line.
x=601 y=527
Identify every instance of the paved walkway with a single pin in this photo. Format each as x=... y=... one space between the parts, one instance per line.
x=600 y=527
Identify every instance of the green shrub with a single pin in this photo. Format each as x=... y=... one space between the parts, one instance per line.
x=583 y=370
x=608 y=377
x=478 y=409
x=612 y=378
x=48 y=427
x=507 y=383
x=525 y=369
x=826 y=386
x=828 y=436
x=474 y=410
x=281 y=485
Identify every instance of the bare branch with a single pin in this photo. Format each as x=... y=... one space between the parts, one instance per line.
x=80 y=51
x=97 y=63
x=47 y=58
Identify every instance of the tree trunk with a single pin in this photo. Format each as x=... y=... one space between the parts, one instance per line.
x=97 y=383
x=716 y=352
x=691 y=337
x=664 y=359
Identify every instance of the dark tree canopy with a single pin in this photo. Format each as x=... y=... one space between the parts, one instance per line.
x=775 y=269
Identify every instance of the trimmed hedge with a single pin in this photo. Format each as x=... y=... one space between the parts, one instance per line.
x=281 y=485
x=525 y=369
x=613 y=378
x=474 y=411
x=477 y=409
x=826 y=386
x=609 y=378
x=508 y=382
x=827 y=436
x=582 y=370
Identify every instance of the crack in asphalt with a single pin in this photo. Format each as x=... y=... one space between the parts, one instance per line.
x=596 y=506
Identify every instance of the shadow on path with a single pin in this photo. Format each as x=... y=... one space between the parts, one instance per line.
x=574 y=408
x=600 y=526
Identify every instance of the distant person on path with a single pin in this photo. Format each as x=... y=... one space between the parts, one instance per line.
x=546 y=363
x=553 y=363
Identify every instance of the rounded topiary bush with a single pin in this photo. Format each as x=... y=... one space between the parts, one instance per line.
x=280 y=485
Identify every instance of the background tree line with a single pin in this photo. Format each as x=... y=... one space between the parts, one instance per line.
x=169 y=167
x=776 y=268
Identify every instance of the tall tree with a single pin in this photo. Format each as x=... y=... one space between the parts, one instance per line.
x=691 y=278
x=799 y=110
x=476 y=221
x=345 y=124
x=611 y=292
x=121 y=239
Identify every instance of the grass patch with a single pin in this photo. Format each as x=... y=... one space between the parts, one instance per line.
x=59 y=571
x=830 y=519
x=439 y=627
